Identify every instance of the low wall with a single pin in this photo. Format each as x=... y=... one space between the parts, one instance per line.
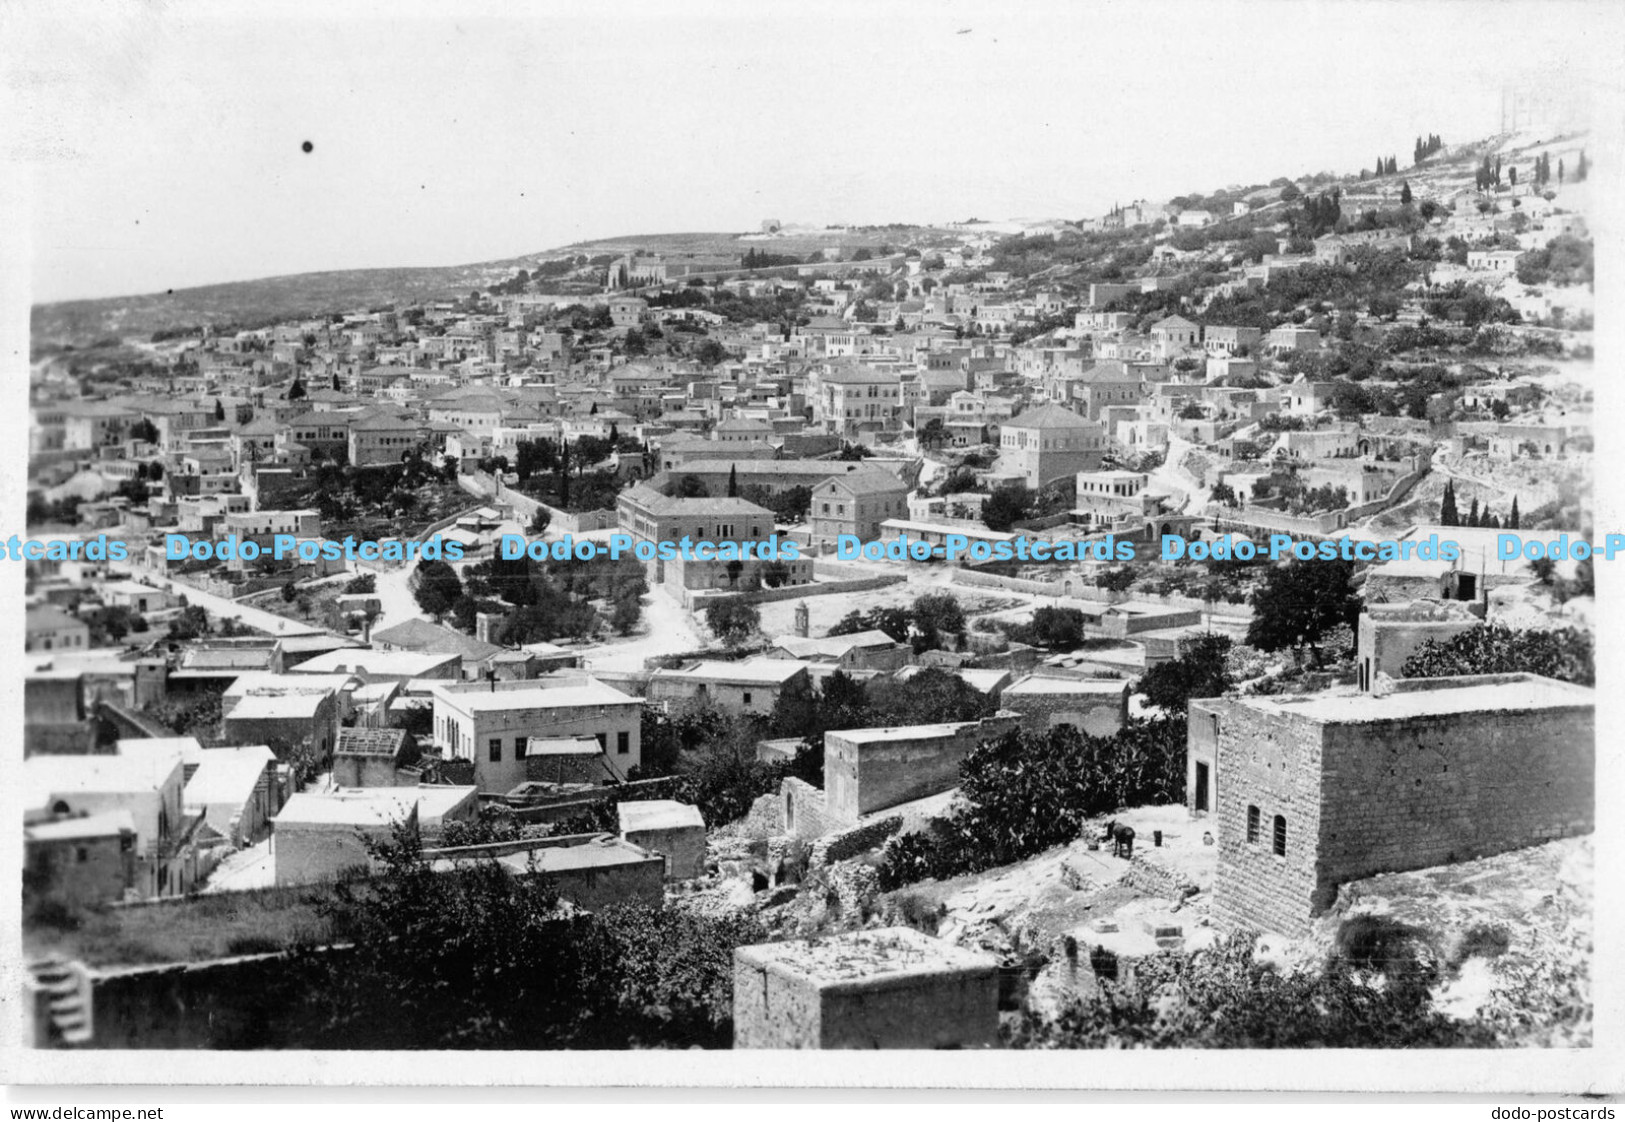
x=1076 y=588
x=1155 y=878
x=698 y=598
x=854 y=841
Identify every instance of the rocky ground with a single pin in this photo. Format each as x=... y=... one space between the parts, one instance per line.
x=1511 y=935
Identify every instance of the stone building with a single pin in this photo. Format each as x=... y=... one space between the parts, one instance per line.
x=81 y=860
x=672 y=829
x=369 y=757
x=1049 y=443
x=320 y=835
x=500 y=726
x=1097 y=706
x=1310 y=792
x=752 y=686
x=1388 y=634
x=856 y=503
x=892 y=987
x=866 y=770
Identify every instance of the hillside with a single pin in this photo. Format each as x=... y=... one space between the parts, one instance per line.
x=270 y=299
x=257 y=302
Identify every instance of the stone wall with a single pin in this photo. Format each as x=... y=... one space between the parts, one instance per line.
x=1097 y=714
x=1387 y=796
x=855 y=840
x=1273 y=763
x=806 y=814
x=1434 y=791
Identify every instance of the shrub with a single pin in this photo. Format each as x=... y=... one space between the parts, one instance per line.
x=1025 y=792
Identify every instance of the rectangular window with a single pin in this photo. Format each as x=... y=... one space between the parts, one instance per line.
x=1280 y=836
x=747 y=697
x=623 y=743
x=496 y=749
x=603 y=741
x=519 y=747
x=1252 y=823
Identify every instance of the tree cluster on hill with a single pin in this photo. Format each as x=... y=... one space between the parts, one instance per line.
x=1566 y=260
x=760 y=259
x=1425 y=147
x=715 y=752
x=927 y=625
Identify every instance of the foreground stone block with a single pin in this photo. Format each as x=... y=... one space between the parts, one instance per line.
x=888 y=988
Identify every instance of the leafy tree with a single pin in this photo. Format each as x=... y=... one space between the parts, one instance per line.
x=1202 y=671
x=732 y=620
x=437 y=587
x=1059 y=629
x=1300 y=603
x=937 y=614
x=686 y=487
x=191 y=623
x=480 y=958
x=1006 y=506
x=1118 y=579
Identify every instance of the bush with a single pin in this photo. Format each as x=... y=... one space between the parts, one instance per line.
x=1565 y=653
x=1025 y=792
x=1223 y=998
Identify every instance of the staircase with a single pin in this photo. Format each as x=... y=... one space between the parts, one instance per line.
x=65 y=989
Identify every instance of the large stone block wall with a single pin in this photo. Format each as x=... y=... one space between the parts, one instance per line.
x=1273 y=763
x=1436 y=790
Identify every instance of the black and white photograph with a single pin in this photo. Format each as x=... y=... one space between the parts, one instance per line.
x=1058 y=542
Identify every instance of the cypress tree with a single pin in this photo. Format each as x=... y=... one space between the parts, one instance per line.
x=1472 y=512
x=1448 y=515
x=1512 y=519
x=733 y=481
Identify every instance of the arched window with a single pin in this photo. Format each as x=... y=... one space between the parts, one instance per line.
x=1280 y=836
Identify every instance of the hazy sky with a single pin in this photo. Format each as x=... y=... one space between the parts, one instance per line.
x=161 y=143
